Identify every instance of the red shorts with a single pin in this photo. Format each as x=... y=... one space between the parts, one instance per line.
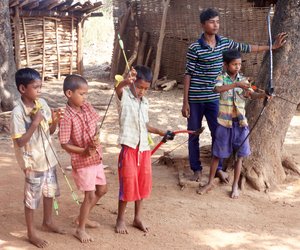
x=135 y=174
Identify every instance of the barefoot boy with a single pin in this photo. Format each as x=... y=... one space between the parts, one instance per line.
x=77 y=135
x=135 y=174
x=32 y=122
x=234 y=89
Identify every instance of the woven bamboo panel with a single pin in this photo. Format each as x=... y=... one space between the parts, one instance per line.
x=32 y=43
x=239 y=20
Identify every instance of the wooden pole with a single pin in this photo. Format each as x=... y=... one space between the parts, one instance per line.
x=26 y=43
x=17 y=38
x=141 y=53
x=160 y=41
x=79 y=47
x=72 y=46
x=148 y=56
x=44 y=50
x=57 y=49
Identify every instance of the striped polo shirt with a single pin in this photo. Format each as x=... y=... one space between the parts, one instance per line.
x=204 y=64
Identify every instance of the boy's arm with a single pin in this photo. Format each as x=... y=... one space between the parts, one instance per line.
x=74 y=149
x=224 y=88
x=186 y=107
x=126 y=82
x=255 y=95
x=153 y=130
x=279 y=42
x=36 y=119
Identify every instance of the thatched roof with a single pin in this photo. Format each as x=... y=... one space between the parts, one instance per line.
x=54 y=8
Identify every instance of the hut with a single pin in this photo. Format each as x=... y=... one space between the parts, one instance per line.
x=139 y=23
x=47 y=34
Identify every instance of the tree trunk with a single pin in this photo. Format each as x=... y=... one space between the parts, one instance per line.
x=266 y=165
x=7 y=63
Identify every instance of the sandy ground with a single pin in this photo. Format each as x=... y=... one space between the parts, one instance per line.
x=178 y=219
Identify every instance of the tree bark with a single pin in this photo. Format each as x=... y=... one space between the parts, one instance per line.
x=7 y=63
x=265 y=167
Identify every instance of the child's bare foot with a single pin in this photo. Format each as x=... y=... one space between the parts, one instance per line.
x=223 y=176
x=89 y=223
x=205 y=189
x=38 y=242
x=52 y=228
x=196 y=176
x=120 y=227
x=83 y=236
x=235 y=192
x=139 y=225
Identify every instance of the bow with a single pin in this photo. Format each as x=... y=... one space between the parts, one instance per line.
x=171 y=134
x=270 y=87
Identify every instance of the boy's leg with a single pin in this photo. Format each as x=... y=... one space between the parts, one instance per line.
x=81 y=234
x=211 y=115
x=101 y=190
x=194 y=123
x=237 y=172
x=212 y=173
x=137 y=217
x=32 y=237
x=120 y=224
x=48 y=224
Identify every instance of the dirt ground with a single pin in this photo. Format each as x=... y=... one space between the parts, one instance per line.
x=178 y=219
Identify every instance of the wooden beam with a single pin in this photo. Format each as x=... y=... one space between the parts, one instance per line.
x=17 y=37
x=72 y=46
x=79 y=47
x=45 y=13
x=26 y=43
x=53 y=5
x=98 y=14
x=44 y=50
x=57 y=49
x=13 y=3
x=33 y=5
x=45 y=3
x=23 y=4
x=160 y=41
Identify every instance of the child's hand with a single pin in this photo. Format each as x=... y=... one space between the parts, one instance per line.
x=96 y=141
x=169 y=135
x=131 y=77
x=37 y=117
x=57 y=115
x=90 y=150
x=243 y=84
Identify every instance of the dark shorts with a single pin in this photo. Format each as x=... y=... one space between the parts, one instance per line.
x=229 y=139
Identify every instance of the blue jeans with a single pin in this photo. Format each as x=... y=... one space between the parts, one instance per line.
x=197 y=111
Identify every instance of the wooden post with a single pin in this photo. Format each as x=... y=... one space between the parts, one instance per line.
x=72 y=46
x=57 y=49
x=26 y=43
x=160 y=41
x=148 y=56
x=44 y=50
x=141 y=53
x=17 y=38
x=79 y=47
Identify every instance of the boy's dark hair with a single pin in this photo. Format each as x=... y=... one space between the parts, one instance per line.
x=208 y=14
x=143 y=73
x=230 y=55
x=26 y=76
x=73 y=82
